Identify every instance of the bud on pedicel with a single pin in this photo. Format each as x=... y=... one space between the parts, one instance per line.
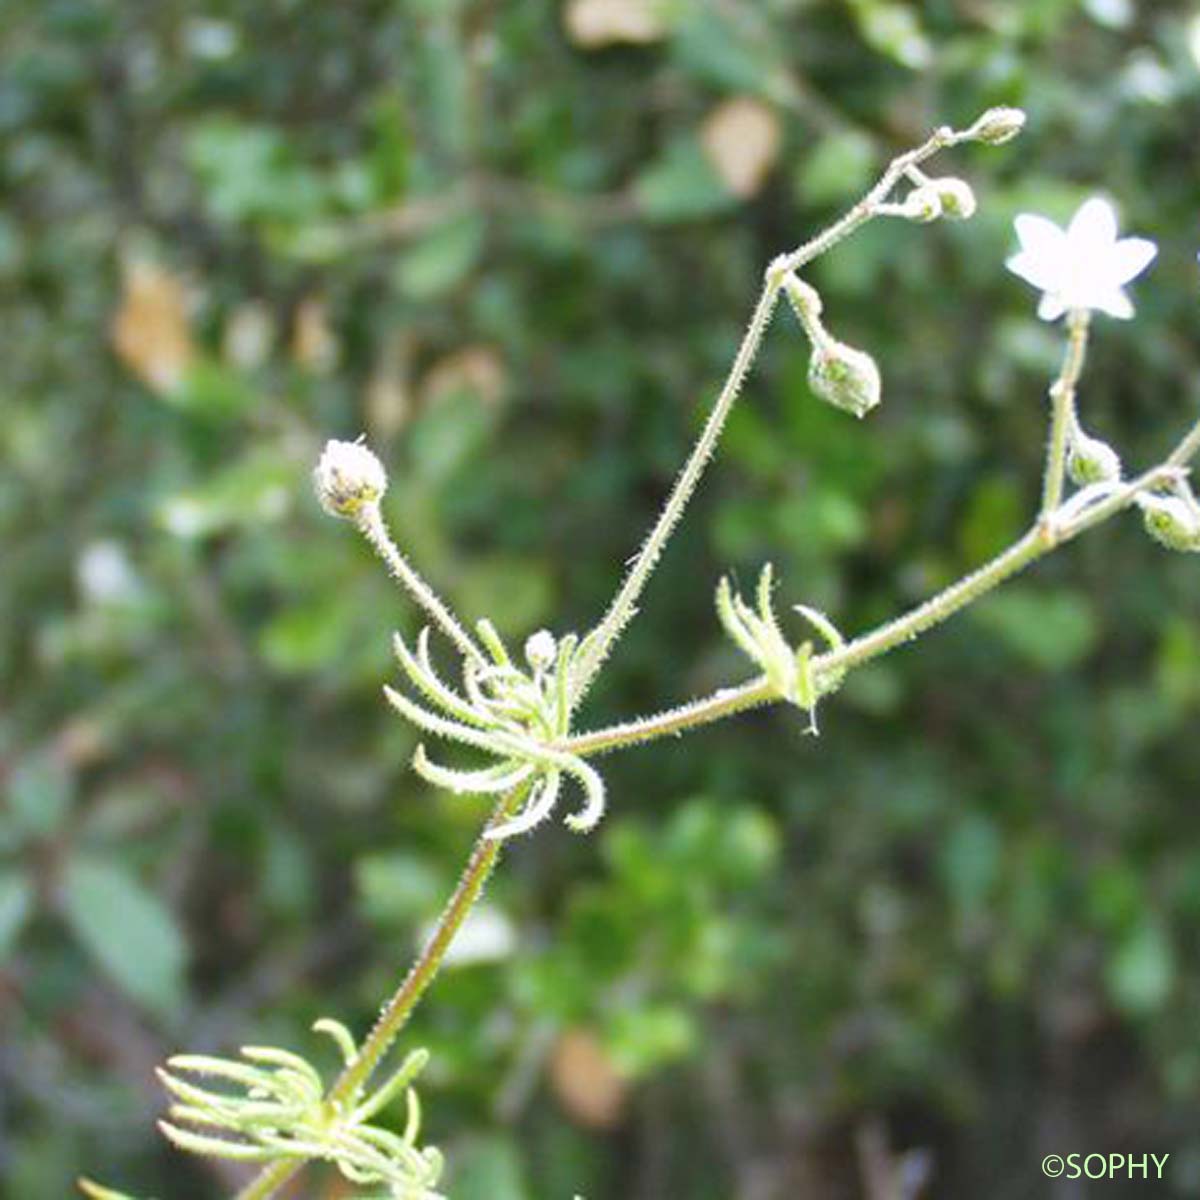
x=1089 y=460
x=540 y=649
x=805 y=298
x=923 y=204
x=845 y=377
x=348 y=477
x=998 y=125
x=1171 y=521
x=956 y=197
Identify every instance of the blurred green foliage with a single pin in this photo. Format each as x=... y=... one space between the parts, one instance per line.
x=502 y=243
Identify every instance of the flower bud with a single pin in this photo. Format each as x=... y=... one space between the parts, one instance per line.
x=1172 y=521
x=923 y=204
x=844 y=377
x=347 y=477
x=956 y=197
x=998 y=125
x=540 y=649
x=1089 y=460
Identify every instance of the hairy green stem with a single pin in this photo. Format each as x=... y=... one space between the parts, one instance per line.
x=1040 y=540
x=1037 y=542
x=1188 y=448
x=268 y=1181
x=421 y=974
x=724 y=703
x=1062 y=409
x=854 y=653
x=937 y=609
x=397 y=1010
x=623 y=606
x=370 y=523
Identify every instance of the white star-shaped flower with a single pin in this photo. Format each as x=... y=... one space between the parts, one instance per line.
x=1084 y=266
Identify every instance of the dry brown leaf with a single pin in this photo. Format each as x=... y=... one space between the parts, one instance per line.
x=82 y=742
x=314 y=344
x=585 y=1080
x=477 y=369
x=248 y=335
x=595 y=23
x=150 y=330
x=388 y=397
x=741 y=138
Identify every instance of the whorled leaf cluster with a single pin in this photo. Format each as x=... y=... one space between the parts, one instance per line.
x=518 y=715
x=273 y=1105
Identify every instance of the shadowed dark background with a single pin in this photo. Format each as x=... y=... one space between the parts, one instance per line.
x=515 y=244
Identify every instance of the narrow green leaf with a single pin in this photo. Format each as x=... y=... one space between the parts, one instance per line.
x=39 y=795
x=95 y=1192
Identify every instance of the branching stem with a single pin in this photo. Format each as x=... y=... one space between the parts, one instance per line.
x=624 y=605
x=1039 y=541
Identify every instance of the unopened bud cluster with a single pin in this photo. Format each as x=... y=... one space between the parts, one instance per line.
x=948 y=197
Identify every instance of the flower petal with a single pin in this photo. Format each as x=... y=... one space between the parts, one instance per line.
x=1051 y=307
x=1130 y=257
x=1114 y=302
x=1040 y=270
x=1039 y=235
x=1094 y=226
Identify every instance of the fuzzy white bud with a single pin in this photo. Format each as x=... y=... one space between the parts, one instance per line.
x=998 y=125
x=845 y=377
x=957 y=198
x=1171 y=521
x=540 y=649
x=1090 y=460
x=923 y=204
x=348 y=477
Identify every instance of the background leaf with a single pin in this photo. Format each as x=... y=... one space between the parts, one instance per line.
x=129 y=930
x=16 y=903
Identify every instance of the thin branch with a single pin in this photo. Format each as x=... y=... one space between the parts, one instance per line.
x=1036 y=543
x=269 y=1180
x=370 y=523
x=600 y=641
x=1187 y=449
x=398 y=1009
x=1062 y=410
x=723 y=703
